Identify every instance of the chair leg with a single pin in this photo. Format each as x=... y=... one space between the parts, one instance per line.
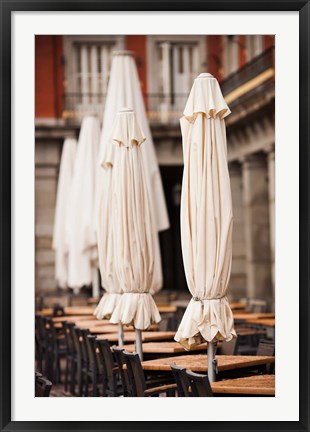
x=94 y=379
x=73 y=377
x=80 y=380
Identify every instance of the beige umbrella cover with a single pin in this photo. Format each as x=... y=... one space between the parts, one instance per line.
x=124 y=90
x=82 y=258
x=133 y=226
x=60 y=244
x=206 y=216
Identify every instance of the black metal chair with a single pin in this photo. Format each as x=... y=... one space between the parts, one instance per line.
x=200 y=385
x=181 y=380
x=95 y=369
x=265 y=348
x=42 y=386
x=71 y=360
x=56 y=349
x=120 y=360
x=77 y=374
x=112 y=386
x=138 y=385
x=229 y=348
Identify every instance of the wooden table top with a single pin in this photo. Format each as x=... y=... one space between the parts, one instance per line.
x=167 y=308
x=199 y=362
x=237 y=305
x=249 y=331
x=251 y=315
x=70 y=310
x=254 y=385
x=263 y=322
x=151 y=336
x=164 y=348
x=75 y=318
x=113 y=328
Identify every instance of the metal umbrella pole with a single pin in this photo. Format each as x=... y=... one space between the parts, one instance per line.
x=212 y=362
x=138 y=344
x=120 y=334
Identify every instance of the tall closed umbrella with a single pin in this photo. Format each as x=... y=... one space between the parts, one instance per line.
x=60 y=245
x=124 y=90
x=206 y=218
x=82 y=242
x=133 y=228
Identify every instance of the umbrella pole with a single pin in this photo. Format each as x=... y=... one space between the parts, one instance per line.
x=120 y=334
x=211 y=358
x=95 y=283
x=138 y=346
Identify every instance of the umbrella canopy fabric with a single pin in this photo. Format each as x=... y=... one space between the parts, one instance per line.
x=206 y=216
x=133 y=226
x=60 y=244
x=82 y=257
x=124 y=90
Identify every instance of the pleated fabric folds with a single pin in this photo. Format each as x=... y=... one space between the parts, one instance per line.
x=206 y=216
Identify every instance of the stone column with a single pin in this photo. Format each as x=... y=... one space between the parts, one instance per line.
x=84 y=75
x=94 y=73
x=166 y=76
x=104 y=69
x=256 y=223
x=271 y=190
x=237 y=284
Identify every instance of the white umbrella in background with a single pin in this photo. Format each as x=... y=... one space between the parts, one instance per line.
x=124 y=90
x=133 y=228
x=60 y=245
x=206 y=219
x=82 y=242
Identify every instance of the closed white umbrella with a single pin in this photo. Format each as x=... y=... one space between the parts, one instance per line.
x=60 y=244
x=206 y=218
x=82 y=242
x=124 y=90
x=133 y=228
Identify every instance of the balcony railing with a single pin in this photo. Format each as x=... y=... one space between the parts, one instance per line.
x=166 y=108
x=249 y=71
x=160 y=108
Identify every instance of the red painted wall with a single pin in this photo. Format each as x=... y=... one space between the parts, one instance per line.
x=214 y=56
x=268 y=41
x=49 y=76
x=242 y=50
x=137 y=44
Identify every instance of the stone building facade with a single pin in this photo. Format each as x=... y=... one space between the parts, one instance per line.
x=71 y=79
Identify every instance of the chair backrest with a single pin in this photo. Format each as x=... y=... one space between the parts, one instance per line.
x=106 y=357
x=91 y=350
x=42 y=387
x=181 y=380
x=229 y=348
x=77 y=347
x=257 y=305
x=135 y=374
x=120 y=360
x=67 y=326
x=199 y=384
x=265 y=348
x=84 y=349
x=58 y=310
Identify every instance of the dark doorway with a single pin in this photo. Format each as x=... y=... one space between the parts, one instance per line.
x=170 y=240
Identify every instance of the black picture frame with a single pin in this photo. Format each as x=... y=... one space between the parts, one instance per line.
x=7 y=7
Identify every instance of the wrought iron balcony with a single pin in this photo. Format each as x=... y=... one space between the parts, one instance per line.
x=168 y=108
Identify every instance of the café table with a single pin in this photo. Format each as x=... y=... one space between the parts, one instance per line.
x=256 y=385
x=113 y=328
x=268 y=322
x=165 y=348
x=75 y=318
x=251 y=315
x=147 y=336
x=167 y=308
x=199 y=362
x=69 y=310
